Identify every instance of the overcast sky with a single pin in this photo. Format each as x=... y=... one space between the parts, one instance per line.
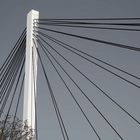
x=13 y=21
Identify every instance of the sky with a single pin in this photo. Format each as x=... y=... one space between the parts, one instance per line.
x=13 y=21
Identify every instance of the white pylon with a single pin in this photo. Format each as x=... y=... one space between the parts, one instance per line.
x=30 y=73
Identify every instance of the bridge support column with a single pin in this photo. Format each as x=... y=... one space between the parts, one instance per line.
x=30 y=73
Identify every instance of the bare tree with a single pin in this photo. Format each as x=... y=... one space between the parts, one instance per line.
x=15 y=129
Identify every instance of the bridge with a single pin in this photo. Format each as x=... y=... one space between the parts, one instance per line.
x=75 y=79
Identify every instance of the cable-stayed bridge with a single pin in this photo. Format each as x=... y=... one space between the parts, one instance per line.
x=42 y=40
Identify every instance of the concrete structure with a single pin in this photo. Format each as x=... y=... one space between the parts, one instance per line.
x=30 y=72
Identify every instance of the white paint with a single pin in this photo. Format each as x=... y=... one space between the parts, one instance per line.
x=28 y=103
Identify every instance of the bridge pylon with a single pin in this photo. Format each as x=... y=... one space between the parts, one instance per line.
x=30 y=72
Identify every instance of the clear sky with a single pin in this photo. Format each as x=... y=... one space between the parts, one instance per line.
x=13 y=21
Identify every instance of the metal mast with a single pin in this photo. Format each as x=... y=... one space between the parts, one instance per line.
x=30 y=73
